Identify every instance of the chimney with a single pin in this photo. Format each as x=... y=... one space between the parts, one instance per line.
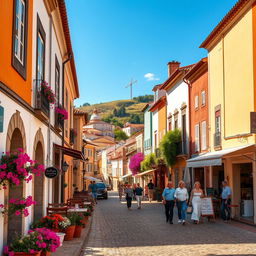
x=172 y=67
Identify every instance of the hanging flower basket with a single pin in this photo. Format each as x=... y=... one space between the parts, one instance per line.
x=17 y=167
x=48 y=93
x=18 y=206
x=62 y=113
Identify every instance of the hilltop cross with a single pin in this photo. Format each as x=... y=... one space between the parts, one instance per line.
x=131 y=85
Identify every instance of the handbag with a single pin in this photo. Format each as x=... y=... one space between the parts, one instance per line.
x=189 y=209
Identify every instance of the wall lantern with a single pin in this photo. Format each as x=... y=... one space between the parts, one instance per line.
x=65 y=166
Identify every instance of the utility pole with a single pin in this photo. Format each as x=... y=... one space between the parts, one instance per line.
x=131 y=85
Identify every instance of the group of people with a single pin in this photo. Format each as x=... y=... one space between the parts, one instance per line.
x=180 y=198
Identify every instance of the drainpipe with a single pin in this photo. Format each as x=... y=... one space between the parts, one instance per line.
x=63 y=93
x=49 y=124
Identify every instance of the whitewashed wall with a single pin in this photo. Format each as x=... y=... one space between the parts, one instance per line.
x=176 y=96
x=154 y=128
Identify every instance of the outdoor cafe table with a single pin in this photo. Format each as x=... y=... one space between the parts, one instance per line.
x=77 y=210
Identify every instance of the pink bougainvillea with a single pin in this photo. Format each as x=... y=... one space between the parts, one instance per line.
x=62 y=112
x=18 y=206
x=16 y=167
x=134 y=164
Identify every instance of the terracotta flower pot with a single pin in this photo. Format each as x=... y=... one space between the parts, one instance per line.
x=44 y=253
x=69 y=233
x=84 y=221
x=27 y=254
x=78 y=231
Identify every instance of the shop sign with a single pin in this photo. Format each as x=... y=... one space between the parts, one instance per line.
x=1 y=119
x=253 y=122
x=51 y=172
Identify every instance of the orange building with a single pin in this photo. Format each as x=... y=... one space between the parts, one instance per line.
x=197 y=79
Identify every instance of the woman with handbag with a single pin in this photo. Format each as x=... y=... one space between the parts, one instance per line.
x=196 y=198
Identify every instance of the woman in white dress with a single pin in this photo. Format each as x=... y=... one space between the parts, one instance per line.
x=196 y=195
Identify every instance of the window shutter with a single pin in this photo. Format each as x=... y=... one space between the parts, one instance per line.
x=196 y=138
x=203 y=138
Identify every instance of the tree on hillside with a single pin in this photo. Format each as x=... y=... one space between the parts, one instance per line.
x=115 y=112
x=86 y=104
x=135 y=119
x=120 y=135
x=145 y=98
x=122 y=112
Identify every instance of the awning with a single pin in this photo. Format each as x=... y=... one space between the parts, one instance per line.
x=92 y=178
x=71 y=152
x=126 y=175
x=213 y=158
x=145 y=173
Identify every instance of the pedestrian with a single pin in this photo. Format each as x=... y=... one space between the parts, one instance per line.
x=138 y=194
x=151 y=187
x=134 y=194
x=225 y=201
x=129 y=194
x=93 y=190
x=181 y=196
x=168 y=201
x=196 y=200
x=120 y=190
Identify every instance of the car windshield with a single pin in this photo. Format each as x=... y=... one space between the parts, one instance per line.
x=101 y=185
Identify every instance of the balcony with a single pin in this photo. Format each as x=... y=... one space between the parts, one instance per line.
x=217 y=139
x=42 y=106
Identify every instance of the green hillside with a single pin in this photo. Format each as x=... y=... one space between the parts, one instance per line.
x=132 y=112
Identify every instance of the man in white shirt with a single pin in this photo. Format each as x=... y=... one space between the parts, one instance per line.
x=181 y=196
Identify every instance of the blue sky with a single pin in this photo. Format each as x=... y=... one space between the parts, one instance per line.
x=116 y=40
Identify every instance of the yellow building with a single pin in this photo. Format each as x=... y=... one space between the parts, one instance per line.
x=231 y=56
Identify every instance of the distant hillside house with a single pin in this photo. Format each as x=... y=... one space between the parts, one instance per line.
x=98 y=127
x=130 y=129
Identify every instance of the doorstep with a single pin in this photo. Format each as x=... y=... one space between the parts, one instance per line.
x=74 y=246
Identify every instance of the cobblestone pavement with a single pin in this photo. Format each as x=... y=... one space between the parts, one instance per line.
x=117 y=231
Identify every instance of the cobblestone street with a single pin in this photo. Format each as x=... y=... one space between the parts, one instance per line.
x=117 y=231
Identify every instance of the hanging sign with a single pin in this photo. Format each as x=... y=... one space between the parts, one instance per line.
x=207 y=207
x=1 y=119
x=51 y=172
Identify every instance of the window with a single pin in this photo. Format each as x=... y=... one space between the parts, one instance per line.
x=19 y=36
x=203 y=97
x=40 y=53
x=196 y=101
x=155 y=137
x=203 y=135
x=169 y=124
x=197 y=138
x=217 y=121
x=176 y=124
x=57 y=80
x=184 y=134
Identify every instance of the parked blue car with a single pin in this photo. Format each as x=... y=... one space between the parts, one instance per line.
x=102 y=190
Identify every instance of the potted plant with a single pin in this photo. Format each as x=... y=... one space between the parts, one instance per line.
x=62 y=113
x=31 y=244
x=53 y=222
x=85 y=218
x=50 y=238
x=70 y=230
x=79 y=224
x=48 y=92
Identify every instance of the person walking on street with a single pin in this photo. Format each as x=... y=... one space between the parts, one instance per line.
x=129 y=194
x=93 y=190
x=181 y=196
x=120 y=190
x=196 y=200
x=225 y=201
x=138 y=193
x=168 y=201
x=151 y=187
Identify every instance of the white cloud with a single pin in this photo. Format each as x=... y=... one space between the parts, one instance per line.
x=151 y=77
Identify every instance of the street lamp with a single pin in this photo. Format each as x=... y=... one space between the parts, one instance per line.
x=65 y=166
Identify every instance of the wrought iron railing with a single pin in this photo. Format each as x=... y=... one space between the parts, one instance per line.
x=41 y=101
